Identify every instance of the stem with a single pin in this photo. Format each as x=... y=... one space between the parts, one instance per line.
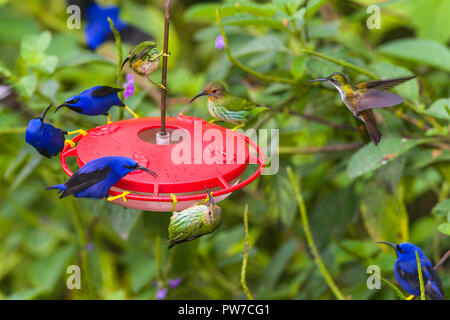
x=419 y=271
x=396 y=290
x=444 y=257
x=310 y=240
x=340 y=62
x=164 y=68
x=119 y=62
x=13 y=130
x=241 y=66
x=244 y=260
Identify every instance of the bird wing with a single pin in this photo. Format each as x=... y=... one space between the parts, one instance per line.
x=434 y=285
x=104 y=91
x=371 y=98
x=234 y=103
x=80 y=181
x=184 y=223
x=383 y=84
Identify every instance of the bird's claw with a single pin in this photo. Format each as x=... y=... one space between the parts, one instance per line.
x=109 y=119
x=237 y=127
x=205 y=201
x=174 y=201
x=69 y=142
x=410 y=297
x=80 y=131
x=123 y=195
x=131 y=111
x=213 y=120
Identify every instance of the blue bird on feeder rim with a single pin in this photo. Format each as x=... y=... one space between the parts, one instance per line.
x=45 y=138
x=96 y=101
x=96 y=177
x=406 y=272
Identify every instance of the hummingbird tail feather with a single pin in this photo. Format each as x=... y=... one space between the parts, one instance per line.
x=373 y=132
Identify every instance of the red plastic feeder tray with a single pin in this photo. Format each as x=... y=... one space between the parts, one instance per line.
x=203 y=155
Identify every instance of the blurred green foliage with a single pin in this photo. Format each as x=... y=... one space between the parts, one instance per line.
x=395 y=192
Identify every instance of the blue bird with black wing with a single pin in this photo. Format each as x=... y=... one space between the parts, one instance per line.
x=45 y=138
x=406 y=272
x=96 y=101
x=96 y=177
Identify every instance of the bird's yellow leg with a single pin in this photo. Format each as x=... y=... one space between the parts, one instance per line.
x=213 y=120
x=81 y=131
x=162 y=53
x=204 y=201
x=174 y=201
x=123 y=195
x=238 y=126
x=131 y=111
x=109 y=118
x=410 y=297
x=69 y=142
x=157 y=84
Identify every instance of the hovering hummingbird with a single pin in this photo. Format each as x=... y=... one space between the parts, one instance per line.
x=225 y=107
x=360 y=98
x=194 y=222
x=45 y=138
x=96 y=101
x=406 y=273
x=96 y=177
x=144 y=60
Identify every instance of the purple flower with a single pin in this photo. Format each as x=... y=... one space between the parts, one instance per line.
x=90 y=246
x=174 y=283
x=161 y=294
x=220 y=43
x=129 y=86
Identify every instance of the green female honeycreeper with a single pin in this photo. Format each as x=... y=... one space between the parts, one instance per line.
x=194 y=222
x=362 y=97
x=144 y=60
x=225 y=107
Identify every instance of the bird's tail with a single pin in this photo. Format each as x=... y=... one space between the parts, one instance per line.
x=60 y=187
x=257 y=110
x=371 y=126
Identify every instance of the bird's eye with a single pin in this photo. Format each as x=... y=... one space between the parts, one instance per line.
x=400 y=250
x=214 y=91
x=131 y=167
x=73 y=101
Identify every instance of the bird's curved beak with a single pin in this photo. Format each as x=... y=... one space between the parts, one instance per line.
x=211 y=199
x=147 y=170
x=124 y=62
x=42 y=116
x=317 y=80
x=61 y=105
x=203 y=93
x=389 y=244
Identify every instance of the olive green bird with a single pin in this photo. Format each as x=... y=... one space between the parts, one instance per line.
x=194 y=222
x=144 y=60
x=225 y=107
x=362 y=97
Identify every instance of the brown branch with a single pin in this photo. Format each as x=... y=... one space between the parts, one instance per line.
x=443 y=259
x=324 y=149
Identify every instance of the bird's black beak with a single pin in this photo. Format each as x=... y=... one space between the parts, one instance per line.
x=317 y=80
x=197 y=96
x=389 y=244
x=211 y=199
x=61 y=105
x=124 y=62
x=42 y=116
x=147 y=170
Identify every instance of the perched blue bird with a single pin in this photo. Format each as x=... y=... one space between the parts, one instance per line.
x=95 y=178
x=96 y=101
x=406 y=273
x=45 y=138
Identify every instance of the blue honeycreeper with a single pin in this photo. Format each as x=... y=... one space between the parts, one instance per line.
x=96 y=177
x=97 y=28
x=45 y=138
x=406 y=273
x=94 y=101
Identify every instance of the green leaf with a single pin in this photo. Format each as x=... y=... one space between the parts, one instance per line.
x=48 y=64
x=422 y=51
x=299 y=67
x=372 y=157
x=27 y=85
x=439 y=109
x=245 y=20
x=312 y=7
x=384 y=215
x=27 y=294
x=4 y=71
x=265 y=44
x=142 y=269
x=444 y=228
x=442 y=208
x=122 y=220
x=33 y=47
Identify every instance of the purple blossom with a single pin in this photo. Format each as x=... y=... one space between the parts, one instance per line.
x=129 y=86
x=161 y=294
x=219 y=43
x=90 y=246
x=173 y=283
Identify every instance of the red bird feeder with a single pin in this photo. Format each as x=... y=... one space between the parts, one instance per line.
x=205 y=155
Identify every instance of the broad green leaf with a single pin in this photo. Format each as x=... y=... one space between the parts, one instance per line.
x=26 y=170
x=372 y=157
x=313 y=6
x=27 y=85
x=269 y=43
x=439 y=109
x=245 y=20
x=33 y=47
x=4 y=71
x=48 y=64
x=287 y=6
x=444 y=228
x=299 y=67
x=409 y=89
x=142 y=269
x=442 y=208
x=80 y=58
x=384 y=215
x=122 y=220
x=422 y=51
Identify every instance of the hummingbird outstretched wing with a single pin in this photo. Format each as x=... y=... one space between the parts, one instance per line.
x=386 y=84
x=372 y=98
x=104 y=91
